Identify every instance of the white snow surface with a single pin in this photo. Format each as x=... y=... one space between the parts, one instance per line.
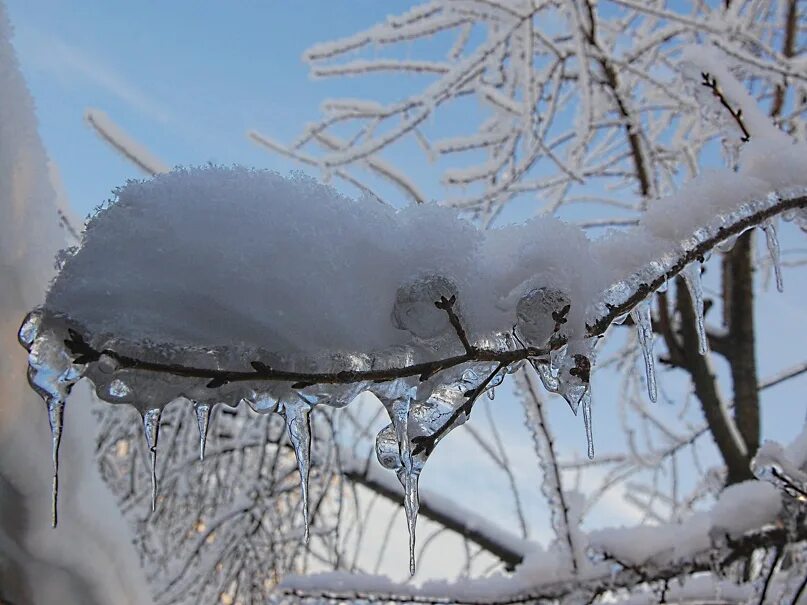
x=237 y=258
x=740 y=508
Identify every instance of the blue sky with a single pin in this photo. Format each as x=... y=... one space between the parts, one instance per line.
x=188 y=79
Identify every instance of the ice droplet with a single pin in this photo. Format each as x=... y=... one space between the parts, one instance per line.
x=644 y=329
x=56 y=421
x=541 y=313
x=692 y=278
x=119 y=389
x=202 y=420
x=415 y=311
x=772 y=241
x=151 y=428
x=298 y=423
x=586 y=401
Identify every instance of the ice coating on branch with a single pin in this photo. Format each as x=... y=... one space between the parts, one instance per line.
x=298 y=423
x=692 y=278
x=644 y=333
x=151 y=430
x=220 y=272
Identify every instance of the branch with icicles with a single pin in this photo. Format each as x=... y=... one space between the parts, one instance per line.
x=59 y=355
x=563 y=363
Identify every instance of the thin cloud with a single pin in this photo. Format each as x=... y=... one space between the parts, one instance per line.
x=52 y=55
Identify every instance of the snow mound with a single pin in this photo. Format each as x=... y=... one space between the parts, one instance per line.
x=215 y=256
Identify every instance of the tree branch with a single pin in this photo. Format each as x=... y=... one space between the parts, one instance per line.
x=600 y=580
x=710 y=82
x=703 y=380
x=83 y=352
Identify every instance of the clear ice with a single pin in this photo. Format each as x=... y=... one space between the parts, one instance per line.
x=56 y=420
x=772 y=241
x=202 y=420
x=644 y=330
x=541 y=313
x=692 y=278
x=298 y=423
x=397 y=397
x=586 y=401
x=52 y=374
x=151 y=428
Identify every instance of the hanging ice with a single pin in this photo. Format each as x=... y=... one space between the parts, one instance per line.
x=548 y=378
x=296 y=410
x=151 y=428
x=397 y=397
x=692 y=278
x=586 y=401
x=772 y=241
x=202 y=420
x=574 y=373
x=409 y=480
x=55 y=419
x=644 y=330
x=406 y=474
x=52 y=374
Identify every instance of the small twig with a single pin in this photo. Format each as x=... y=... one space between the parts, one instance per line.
x=710 y=82
x=426 y=443
x=769 y=576
x=789 y=484
x=799 y=591
x=447 y=305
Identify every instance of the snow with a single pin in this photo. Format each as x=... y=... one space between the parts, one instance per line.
x=740 y=508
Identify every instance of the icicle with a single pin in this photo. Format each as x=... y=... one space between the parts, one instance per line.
x=407 y=475
x=409 y=480
x=644 y=327
x=52 y=374
x=151 y=428
x=298 y=424
x=772 y=240
x=202 y=420
x=56 y=420
x=491 y=393
x=586 y=400
x=692 y=278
